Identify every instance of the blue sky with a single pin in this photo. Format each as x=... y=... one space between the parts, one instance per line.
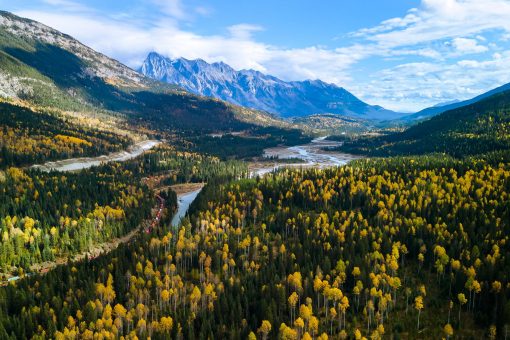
x=402 y=54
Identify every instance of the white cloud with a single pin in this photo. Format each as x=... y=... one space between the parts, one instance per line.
x=389 y=25
x=442 y=30
x=467 y=46
x=410 y=86
x=441 y=19
x=173 y=8
x=67 y=5
x=243 y=31
x=203 y=11
x=438 y=31
x=131 y=43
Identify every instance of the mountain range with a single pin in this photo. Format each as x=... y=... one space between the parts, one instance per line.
x=46 y=68
x=42 y=67
x=260 y=91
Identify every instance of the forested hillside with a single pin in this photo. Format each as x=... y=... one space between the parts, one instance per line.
x=478 y=128
x=48 y=68
x=44 y=216
x=49 y=215
x=415 y=248
x=29 y=137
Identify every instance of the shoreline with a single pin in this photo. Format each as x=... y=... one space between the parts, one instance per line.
x=75 y=164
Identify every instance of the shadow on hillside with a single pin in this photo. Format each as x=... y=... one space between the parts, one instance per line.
x=161 y=110
x=69 y=72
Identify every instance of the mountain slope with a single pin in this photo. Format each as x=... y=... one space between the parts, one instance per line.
x=333 y=124
x=260 y=91
x=38 y=52
x=469 y=130
x=46 y=68
x=437 y=109
x=28 y=137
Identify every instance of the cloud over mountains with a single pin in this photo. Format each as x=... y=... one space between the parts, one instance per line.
x=441 y=50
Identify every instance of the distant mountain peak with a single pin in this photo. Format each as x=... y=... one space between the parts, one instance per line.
x=449 y=102
x=440 y=108
x=40 y=66
x=254 y=89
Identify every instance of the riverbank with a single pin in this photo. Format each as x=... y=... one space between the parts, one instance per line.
x=186 y=188
x=74 y=164
x=186 y=194
x=314 y=154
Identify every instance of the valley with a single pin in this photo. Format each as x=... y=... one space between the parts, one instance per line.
x=192 y=200
x=186 y=194
x=311 y=154
x=76 y=164
x=315 y=154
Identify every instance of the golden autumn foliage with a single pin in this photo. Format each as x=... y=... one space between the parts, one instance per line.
x=393 y=244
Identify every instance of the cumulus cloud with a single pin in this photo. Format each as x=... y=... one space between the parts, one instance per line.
x=410 y=86
x=468 y=46
x=444 y=30
x=427 y=43
x=441 y=19
x=131 y=43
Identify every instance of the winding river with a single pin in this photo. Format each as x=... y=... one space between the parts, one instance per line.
x=313 y=154
x=74 y=164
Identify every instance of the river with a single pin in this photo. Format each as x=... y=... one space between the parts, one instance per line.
x=183 y=203
x=312 y=154
x=74 y=164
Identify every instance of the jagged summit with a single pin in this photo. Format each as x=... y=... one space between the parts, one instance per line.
x=257 y=90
